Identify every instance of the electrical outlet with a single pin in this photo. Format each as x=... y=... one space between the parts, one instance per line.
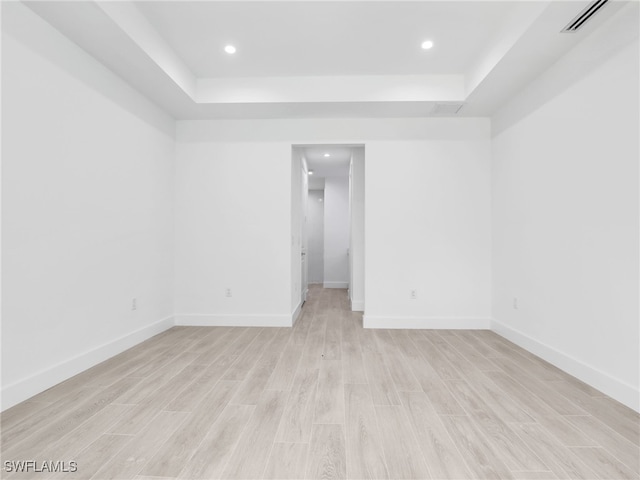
x=413 y=294
x=515 y=303
x=134 y=304
x=228 y=292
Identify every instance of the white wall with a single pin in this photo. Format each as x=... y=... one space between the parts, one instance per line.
x=565 y=222
x=315 y=225
x=356 y=235
x=233 y=230
x=427 y=228
x=336 y=232
x=87 y=211
x=443 y=214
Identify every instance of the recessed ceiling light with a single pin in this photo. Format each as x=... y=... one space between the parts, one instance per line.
x=327 y=155
x=230 y=49
x=310 y=172
x=427 y=44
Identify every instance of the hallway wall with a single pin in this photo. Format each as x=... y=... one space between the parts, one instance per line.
x=336 y=232
x=315 y=230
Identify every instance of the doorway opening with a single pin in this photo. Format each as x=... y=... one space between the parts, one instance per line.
x=328 y=213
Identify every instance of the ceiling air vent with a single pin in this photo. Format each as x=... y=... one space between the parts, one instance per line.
x=447 y=108
x=584 y=16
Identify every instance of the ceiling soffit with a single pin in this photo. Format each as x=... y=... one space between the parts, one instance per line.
x=524 y=41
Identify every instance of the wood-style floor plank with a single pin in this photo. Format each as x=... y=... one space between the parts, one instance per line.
x=213 y=453
x=327 y=456
x=437 y=360
x=298 y=414
x=252 y=387
x=615 y=443
x=95 y=455
x=618 y=417
x=562 y=462
x=332 y=342
x=352 y=363
x=189 y=397
x=245 y=363
x=534 y=476
x=383 y=390
x=561 y=428
x=19 y=413
x=402 y=455
x=469 y=354
x=329 y=406
x=284 y=372
x=440 y=451
x=478 y=455
x=502 y=439
x=149 y=407
x=363 y=440
x=287 y=461
x=13 y=435
x=127 y=462
x=69 y=445
x=81 y=412
x=180 y=446
x=401 y=374
x=147 y=386
x=603 y=463
x=251 y=454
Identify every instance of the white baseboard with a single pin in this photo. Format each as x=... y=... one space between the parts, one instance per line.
x=335 y=284
x=24 y=389
x=357 y=305
x=611 y=386
x=233 y=320
x=296 y=313
x=436 y=323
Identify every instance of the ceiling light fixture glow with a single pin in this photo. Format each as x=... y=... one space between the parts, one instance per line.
x=310 y=172
x=327 y=155
x=427 y=44
x=230 y=49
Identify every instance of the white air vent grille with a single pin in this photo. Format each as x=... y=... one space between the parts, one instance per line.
x=447 y=108
x=584 y=16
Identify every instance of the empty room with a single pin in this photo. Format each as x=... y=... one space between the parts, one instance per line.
x=320 y=239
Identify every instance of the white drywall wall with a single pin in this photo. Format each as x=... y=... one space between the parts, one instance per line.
x=234 y=231
x=427 y=228
x=336 y=232
x=356 y=237
x=426 y=205
x=565 y=225
x=315 y=224
x=87 y=211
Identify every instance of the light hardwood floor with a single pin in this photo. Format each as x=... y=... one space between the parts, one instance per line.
x=326 y=399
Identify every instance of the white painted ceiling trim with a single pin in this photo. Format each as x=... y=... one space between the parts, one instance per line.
x=381 y=88
x=129 y=19
x=527 y=44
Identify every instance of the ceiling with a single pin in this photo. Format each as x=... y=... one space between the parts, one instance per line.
x=325 y=38
x=325 y=59
x=336 y=164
